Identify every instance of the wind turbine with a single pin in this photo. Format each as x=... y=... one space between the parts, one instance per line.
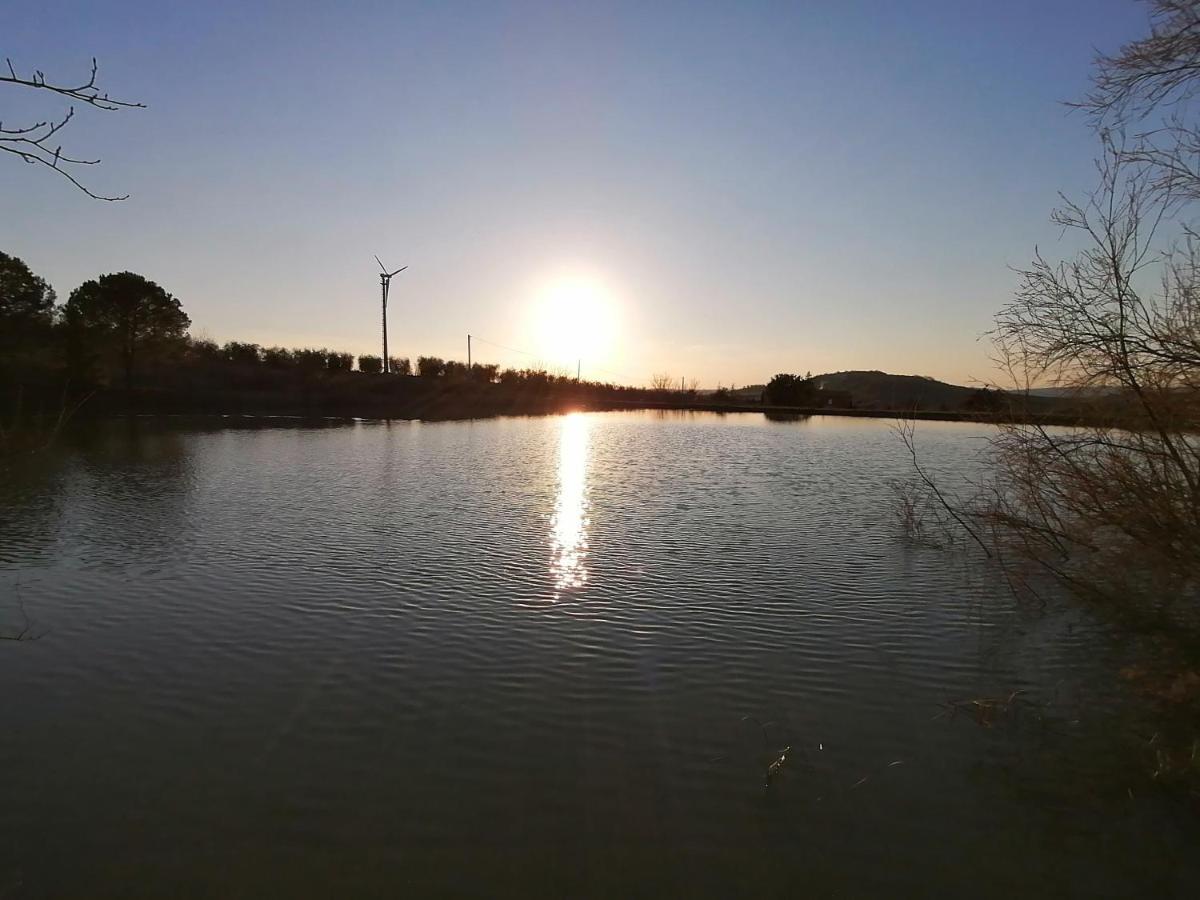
x=385 y=281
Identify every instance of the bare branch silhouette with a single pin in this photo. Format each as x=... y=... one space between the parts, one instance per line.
x=1111 y=507
x=34 y=143
x=1152 y=73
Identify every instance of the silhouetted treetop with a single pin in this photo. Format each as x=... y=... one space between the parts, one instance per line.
x=790 y=390
x=127 y=314
x=25 y=299
x=431 y=366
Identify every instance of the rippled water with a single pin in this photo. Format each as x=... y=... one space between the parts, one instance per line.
x=515 y=657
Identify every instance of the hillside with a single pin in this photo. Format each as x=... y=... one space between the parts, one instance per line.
x=881 y=390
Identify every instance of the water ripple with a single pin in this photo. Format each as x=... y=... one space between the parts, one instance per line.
x=514 y=657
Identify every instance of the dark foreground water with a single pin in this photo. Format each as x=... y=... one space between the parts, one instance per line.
x=513 y=658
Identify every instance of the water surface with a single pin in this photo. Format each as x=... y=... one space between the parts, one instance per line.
x=515 y=657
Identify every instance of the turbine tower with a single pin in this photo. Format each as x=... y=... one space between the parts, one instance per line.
x=385 y=281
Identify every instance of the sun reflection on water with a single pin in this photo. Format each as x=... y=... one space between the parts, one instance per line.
x=569 y=524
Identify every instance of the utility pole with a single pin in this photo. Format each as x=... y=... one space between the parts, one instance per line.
x=385 y=281
x=468 y=355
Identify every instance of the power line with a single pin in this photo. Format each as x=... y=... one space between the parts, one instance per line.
x=617 y=375
x=480 y=340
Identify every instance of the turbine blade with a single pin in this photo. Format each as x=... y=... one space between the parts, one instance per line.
x=381 y=265
x=397 y=272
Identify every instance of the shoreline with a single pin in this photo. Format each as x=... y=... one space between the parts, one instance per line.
x=451 y=408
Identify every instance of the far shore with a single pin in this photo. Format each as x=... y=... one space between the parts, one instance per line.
x=421 y=399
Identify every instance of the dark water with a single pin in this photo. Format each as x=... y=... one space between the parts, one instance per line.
x=513 y=657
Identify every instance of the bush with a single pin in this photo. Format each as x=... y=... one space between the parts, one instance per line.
x=278 y=357
x=984 y=400
x=237 y=352
x=201 y=348
x=339 y=362
x=431 y=366
x=370 y=365
x=309 y=360
x=790 y=390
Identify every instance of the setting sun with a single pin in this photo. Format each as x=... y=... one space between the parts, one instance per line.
x=574 y=318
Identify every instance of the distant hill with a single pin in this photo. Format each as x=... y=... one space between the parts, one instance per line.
x=751 y=393
x=880 y=390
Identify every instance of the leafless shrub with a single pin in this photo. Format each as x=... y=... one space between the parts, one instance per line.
x=925 y=508
x=1111 y=507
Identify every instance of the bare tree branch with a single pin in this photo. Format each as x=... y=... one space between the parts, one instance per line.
x=1110 y=508
x=32 y=143
x=1152 y=73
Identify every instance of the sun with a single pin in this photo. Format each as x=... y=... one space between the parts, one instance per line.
x=574 y=319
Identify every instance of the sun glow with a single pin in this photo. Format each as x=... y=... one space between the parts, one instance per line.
x=574 y=318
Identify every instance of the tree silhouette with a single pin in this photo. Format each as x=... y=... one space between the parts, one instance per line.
x=127 y=314
x=431 y=366
x=239 y=352
x=1110 y=508
x=790 y=390
x=26 y=301
x=339 y=362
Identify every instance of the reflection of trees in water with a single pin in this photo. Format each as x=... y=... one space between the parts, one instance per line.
x=129 y=486
x=120 y=485
x=31 y=489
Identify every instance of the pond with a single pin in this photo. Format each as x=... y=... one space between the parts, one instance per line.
x=549 y=656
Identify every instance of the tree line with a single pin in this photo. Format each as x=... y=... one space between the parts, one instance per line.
x=117 y=329
x=111 y=327
x=113 y=321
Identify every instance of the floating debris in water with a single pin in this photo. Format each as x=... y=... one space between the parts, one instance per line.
x=777 y=764
x=985 y=710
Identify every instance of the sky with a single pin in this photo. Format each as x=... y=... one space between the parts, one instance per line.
x=725 y=190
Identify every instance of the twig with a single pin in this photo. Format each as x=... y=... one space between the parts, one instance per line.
x=31 y=143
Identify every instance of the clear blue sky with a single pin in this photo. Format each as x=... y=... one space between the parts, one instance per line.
x=760 y=187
